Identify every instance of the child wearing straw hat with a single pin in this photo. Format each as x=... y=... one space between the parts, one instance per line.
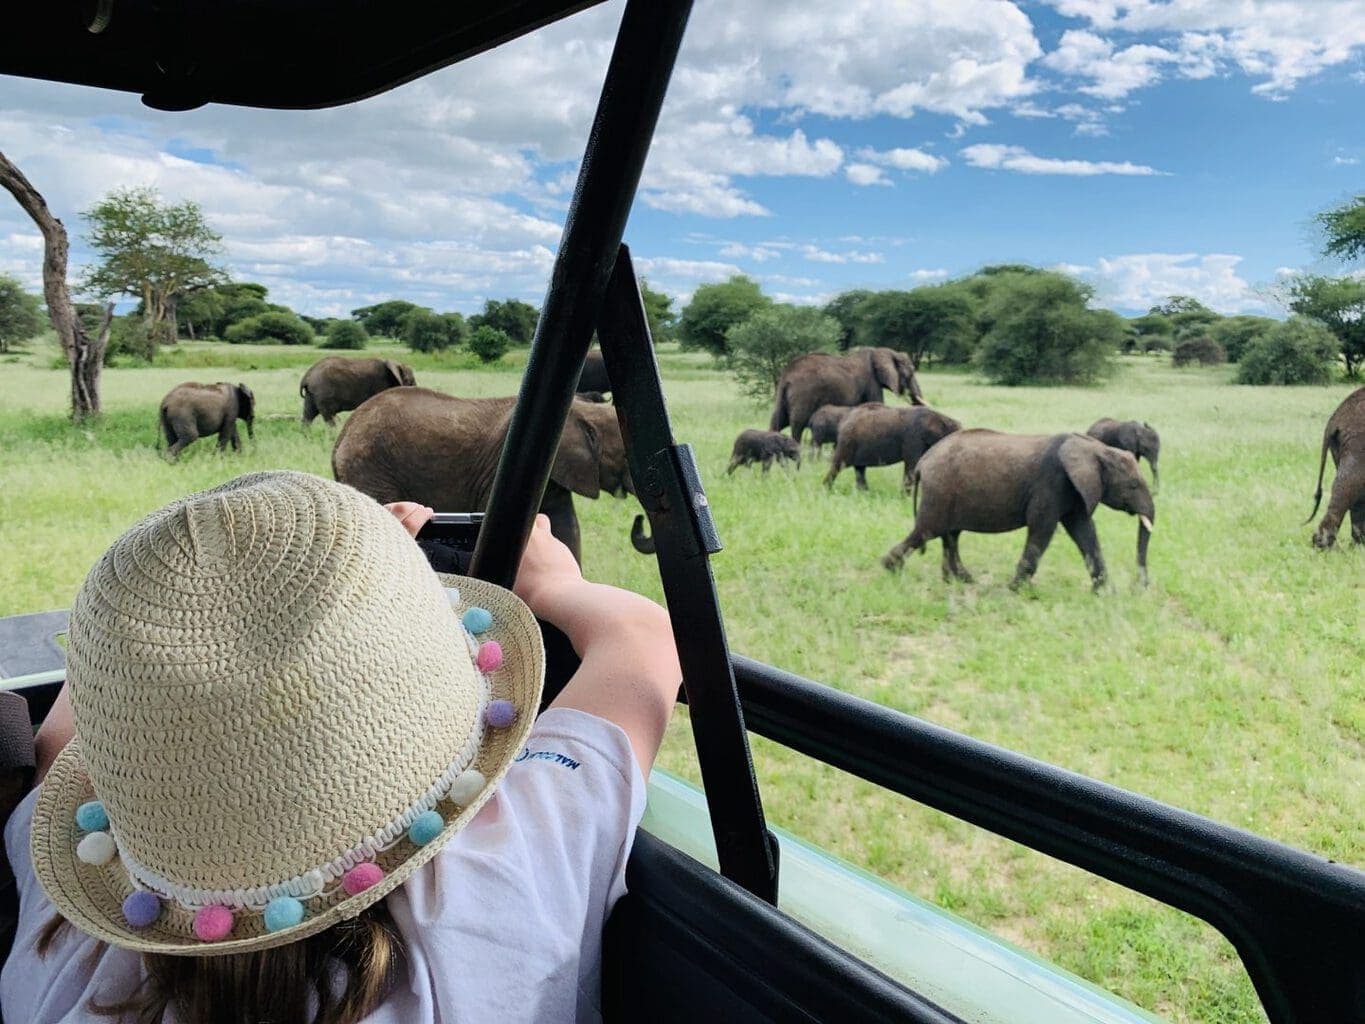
x=294 y=775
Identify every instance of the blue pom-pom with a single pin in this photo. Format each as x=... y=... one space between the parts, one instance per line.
x=91 y=817
x=478 y=620
x=282 y=912
x=141 y=908
x=426 y=828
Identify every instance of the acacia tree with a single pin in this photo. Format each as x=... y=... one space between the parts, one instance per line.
x=158 y=251
x=1338 y=303
x=1343 y=230
x=84 y=354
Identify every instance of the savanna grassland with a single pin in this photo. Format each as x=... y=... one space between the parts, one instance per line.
x=1232 y=686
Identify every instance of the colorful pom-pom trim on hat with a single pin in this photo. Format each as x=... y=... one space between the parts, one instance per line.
x=213 y=924
x=361 y=877
x=282 y=912
x=500 y=713
x=477 y=620
x=141 y=908
x=97 y=848
x=426 y=828
x=489 y=658
x=92 y=817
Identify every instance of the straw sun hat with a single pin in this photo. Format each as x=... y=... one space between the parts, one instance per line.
x=281 y=713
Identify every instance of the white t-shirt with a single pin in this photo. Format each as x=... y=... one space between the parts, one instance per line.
x=504 y=924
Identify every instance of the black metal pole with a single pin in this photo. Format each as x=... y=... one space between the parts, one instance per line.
x=632 y=93
x=670 y=490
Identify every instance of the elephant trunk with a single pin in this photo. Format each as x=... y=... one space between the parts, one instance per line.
x=639 y=539
x=1156 y=477
x=916 y=395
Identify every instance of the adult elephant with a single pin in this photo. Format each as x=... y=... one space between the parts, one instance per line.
x=420 y=445
x=983 y=481
x=594 y=375
x=879 y=435
x=1344 y=437
x=819 y=378
x=1132 y=436
x=191 y=411
x=336 y=384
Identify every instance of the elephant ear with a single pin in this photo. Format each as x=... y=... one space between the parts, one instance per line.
x=578 y=464
x=1080 y=458
x=884 y=369
x=394 y=371
x=246 y=402
x=408 y=378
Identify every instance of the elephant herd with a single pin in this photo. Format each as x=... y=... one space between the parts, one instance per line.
x=412 y=443
x=405 y=441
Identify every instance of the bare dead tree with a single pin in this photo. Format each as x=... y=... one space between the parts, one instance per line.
x=85 y=356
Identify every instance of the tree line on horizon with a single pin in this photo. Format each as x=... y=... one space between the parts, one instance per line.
x=1015 y=323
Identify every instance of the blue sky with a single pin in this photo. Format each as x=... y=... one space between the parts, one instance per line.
x=1150 y=147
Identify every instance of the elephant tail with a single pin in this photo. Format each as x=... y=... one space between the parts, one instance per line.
x=638 y=539
x=1327 y=439
x=781 y=416
x=303 y=387
x=914 y=494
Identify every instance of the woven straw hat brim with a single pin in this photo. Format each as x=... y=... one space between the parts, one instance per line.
x=91 y=897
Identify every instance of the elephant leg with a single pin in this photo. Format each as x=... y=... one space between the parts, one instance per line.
x=180 y=443
x=1039 y=537
x=861 y=473
x=952 y=559
x=735 y=463
x=330 y=418
x=310 y=410
x=836 y=466
x=1081 y=529
x=235 y=437
x=916 y=541
x=1358 y=522
x=767 y=462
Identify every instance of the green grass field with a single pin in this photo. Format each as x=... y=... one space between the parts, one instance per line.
x=1232 y=686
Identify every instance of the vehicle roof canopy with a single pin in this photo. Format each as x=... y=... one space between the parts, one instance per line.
x=289 y=54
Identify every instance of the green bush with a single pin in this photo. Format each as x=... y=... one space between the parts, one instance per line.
x=271 y=327
x=128 y=338
x=425 y=331
x=1297 y=351
x=489 y=343
x=20 y=313
x=762 y=346
x=715 y=308
x=345 y=334
x=1042 y=332
x=1235 y=333
x=1202 y=350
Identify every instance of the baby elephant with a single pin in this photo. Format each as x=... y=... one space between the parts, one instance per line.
x=1344 y=437
x=987 y=482
x=1132 y=436
x=824 y=424
x=765 y=446
x=879 y=435
x=190 y=411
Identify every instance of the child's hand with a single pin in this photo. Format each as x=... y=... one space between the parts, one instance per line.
x=412 y=515
x=545 y=566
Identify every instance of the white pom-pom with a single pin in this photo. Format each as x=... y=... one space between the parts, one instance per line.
x=97 y=848
x=467 y=785
x=453 y=596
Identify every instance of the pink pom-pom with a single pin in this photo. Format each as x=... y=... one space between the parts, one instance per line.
x=361 y=877
x=213 y=924
x=490 y=656
x=500 y=713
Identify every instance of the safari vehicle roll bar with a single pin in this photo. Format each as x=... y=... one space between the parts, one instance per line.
x=1297 y=921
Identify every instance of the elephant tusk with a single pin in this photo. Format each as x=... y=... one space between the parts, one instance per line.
x=1147 y=524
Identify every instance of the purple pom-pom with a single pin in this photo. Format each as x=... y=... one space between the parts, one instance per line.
x=500 y=713
x=141 y=908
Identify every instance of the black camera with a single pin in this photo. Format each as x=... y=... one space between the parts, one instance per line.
x=448 y=540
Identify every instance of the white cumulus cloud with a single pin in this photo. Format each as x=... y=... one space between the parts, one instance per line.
x=1142 y=280
x=866 y=174
x=1017 y=158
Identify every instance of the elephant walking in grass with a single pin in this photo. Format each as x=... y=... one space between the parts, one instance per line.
x=1132 y=436
x=982 y=481
x=191 y=411
x=879 y=435
x=337 y=383
x=420 y=445
x=1344 y=437
x=764 y=446
x=824 y=424
x=819 y=378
